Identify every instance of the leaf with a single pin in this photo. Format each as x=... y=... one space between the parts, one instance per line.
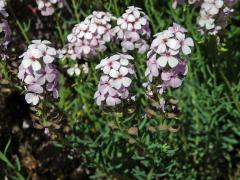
x=7 y=146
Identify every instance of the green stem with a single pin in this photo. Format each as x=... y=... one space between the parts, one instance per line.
x=23 y=31
x=75 y=8
x=230 y=89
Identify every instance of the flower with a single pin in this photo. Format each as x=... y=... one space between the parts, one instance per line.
x=166 y=50
x=47 y=6
x=30 y=58
x=164 y=40
x=109 y=63
x=32 y=98
x=213 y=14
x=74 y=70
x=116 y=80
x=168 y=58
x=37 y=71
x=184 y=43
x=90 y=36
x=173 y=78
x=152 y=68
x=132 y=30
x=120 y=78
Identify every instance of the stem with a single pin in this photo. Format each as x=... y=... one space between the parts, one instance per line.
x=230 y=89
x=23 y=31
x=75 y=8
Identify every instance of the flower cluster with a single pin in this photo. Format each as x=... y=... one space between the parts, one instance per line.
x=133 y=30
x=47 y=7
x=4 y=27
x=77 y=69
x=38 y=72
x=90 y=36
x=116 y=80
x=166 y=58
x=213 y=14
x=2 y=8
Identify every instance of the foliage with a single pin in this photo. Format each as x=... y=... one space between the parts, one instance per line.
x=122 y=142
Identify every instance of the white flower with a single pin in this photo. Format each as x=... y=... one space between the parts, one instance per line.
x=85 y=68
x=184 y=43
x=32 y=98
x=30 y=58
x=120 y=78
x=206 y=21
x=163 y=40
x=37 y=71
x=114 y=84
x=74 y=70
x=168 y=58
x=48 y=53
x=109 y=63
x=133 y=30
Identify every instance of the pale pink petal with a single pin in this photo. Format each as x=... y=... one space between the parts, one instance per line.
x=48 y=59
x=106 y=69
x=117 y=83
x=36 y=53
x=113 y=73
x=162 y=61
x=126 y=81
x=186 y=50
x=115 y=65
x=36 y=65
x=175 y=82
x=51 y=51
x=26 y=63
x=173 y=44
x=172 y=61
x=123 y=71
x=189 y=42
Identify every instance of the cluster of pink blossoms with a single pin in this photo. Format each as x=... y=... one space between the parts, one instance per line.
x=133 y=30
x=116 y=80
x=78 y=69
x=166 y=58
x=89 y=36
x=4 y=27
x=38 y=72
x=47 y=7
x=213 y=15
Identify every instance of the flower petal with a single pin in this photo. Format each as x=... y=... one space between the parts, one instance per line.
x=126 y=81
x=162 y=61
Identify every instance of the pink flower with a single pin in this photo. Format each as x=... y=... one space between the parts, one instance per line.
x=30 y=58
x=133 y=30
x=90 y=36
x=177 y=28
x=47 y=6
x=163 y=41
x=115 y=82
x=169 y=58
x=185 y=43
x=32 y=98
x=164 y=51
x=37 y=71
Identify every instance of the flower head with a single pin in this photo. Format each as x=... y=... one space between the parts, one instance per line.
x=165 y=58
x=116 y=80
x=90 y=36
x=37 y=71
x=133 y=30
x=47 y=7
